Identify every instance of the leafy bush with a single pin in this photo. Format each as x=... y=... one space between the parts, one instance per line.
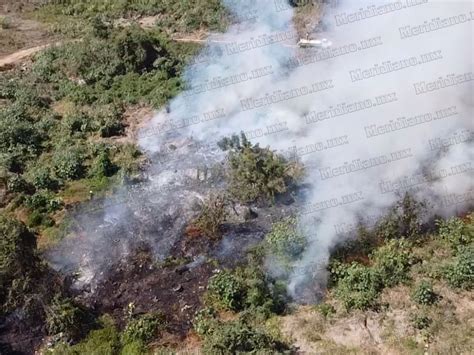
x=285 y=241
x=20 y=271
x=236 y=337
x=104 y=341
x=404 y=220
x=181 y=16
x=43 y=201
x=134 y=348
x=456 y=232
x=42 y=178
x=263 y=295
x=212 y=216
x=20 y=138
x=17 y=249
x=68 y=164
x=143 y=329
x=205 y=321
x=64 y=317
x=16 y=183
x=392 y=262
x=102 y=166
x=359 y=287
x=78 y=122
x=337 y=271
x=227 y=290
x=424 y=294
x=460 y=272
x=255 y=172
x=35 y=219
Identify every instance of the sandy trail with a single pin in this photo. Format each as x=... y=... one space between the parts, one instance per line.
x=14 y=58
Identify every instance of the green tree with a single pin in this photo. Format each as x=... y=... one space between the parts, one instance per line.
x=256 y=172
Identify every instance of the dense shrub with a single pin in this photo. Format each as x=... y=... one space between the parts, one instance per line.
x=17 y=249
x=457 y=232
x=43 y=201
x=255 y=172
x=424 y=294
x=64 y=317
x=227 y=290
x=359 y=287
x=392 y=262
x=404 y=220
x=143 y=329
x=236 y=337
x=68 y=164
x=263 y=295
x=247 y=288
x=181 y=16
x=285 y=241
x=104 y=341
x=205 y=321
x=460 y=272
x=19 y=136
x=78 y=122
x=20 y=269
x=43 y=178
x=16 y=183
x=102 y=166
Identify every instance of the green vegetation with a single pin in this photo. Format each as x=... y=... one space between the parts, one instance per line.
x=456 y=232
x=460 y=271
x=237 y=337
x=227 y=289
x=174 y=16
x=424 y=294
x=325 y=309
x=57 y=118
x=421 y=321
x=109 y=340
x=285 y=241
x=246 y=288
x=359 y=287
x=254 y=298
x=19 y=264
x=63 y=317
x=103 y=341
x=256 y=173
x=392 y=262
x=143 y=329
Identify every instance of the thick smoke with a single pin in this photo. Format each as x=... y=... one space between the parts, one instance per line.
x=386 y=109
x=390 y=109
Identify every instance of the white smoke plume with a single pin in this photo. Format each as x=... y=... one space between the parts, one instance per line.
x=387 y=108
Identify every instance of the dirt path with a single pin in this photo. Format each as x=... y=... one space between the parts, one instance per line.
x=10 y=60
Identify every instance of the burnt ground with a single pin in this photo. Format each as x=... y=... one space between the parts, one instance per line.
x=175 y=286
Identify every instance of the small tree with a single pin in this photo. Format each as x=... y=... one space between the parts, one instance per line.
x=424 y=294
x=255 y=172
